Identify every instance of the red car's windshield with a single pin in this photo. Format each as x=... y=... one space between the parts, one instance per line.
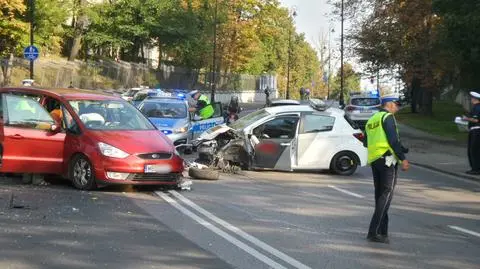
x=110 y=115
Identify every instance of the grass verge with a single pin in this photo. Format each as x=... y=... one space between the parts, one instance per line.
x=441 y=123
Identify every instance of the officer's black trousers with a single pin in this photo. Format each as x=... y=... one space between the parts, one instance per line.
x=474 y=149
x=384 y=179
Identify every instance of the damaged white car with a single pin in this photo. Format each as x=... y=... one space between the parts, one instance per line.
x=287 y=138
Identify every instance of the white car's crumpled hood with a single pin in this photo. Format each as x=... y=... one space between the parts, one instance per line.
x=213 y=132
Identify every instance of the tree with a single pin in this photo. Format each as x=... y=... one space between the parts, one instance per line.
x=13 y=33
x=459 y=41
x=351 y=82
x=50 y=15
x=403 y=34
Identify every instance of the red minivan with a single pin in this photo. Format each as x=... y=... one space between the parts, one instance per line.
x=88 y=137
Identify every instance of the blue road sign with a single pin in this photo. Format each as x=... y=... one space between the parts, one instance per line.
x=30 y=53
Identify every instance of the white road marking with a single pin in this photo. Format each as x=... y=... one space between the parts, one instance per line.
x=463 y=230
x=242 y=234
x=221 y=233
x=346 y=192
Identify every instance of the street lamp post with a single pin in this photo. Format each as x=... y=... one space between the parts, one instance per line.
x=287 y=93
x=341 y=101
x=329 y=62
x=213 y=82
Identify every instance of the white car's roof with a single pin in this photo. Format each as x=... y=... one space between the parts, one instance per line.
x=285 y=101
x=303 y=108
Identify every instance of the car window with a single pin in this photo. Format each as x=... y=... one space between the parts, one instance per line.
x=110 y=115
x=217 y=108
x=278 y=128
x=27 y=113
x=54 y=108
x=140 y=96
x=365 y=101
x=32 y=96
x=317 y=123
x=69 y=122
x=173 y=110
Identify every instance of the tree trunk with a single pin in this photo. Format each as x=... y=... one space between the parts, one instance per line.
x=6 y=70
x=159 y=67
x=77 y=35
x=414 y=94
x=142 y=51
x=427 y=102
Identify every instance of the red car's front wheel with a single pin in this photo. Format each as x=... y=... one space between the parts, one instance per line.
x=81 y=173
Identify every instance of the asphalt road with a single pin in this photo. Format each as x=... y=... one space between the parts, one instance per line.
x=285 y=220
x=259 y=220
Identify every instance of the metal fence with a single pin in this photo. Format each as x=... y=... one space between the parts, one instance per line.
x=108 y=74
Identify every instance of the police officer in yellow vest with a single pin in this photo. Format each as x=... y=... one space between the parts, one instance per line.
x=203 y=108
x=385 y=152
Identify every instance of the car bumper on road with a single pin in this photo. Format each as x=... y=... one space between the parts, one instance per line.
x=140 y=171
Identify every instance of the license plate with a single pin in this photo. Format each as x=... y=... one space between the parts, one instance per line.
x=366 y=111
x=157 y=168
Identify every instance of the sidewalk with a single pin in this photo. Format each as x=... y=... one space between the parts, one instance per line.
x=437 y=153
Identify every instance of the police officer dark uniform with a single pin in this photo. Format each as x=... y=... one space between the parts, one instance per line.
x=385 y=152
x=474 y=134
x=203 y=108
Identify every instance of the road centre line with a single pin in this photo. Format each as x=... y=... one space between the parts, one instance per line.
x=221 y=233
x=241 y=233
x=463 y=230
x=346 y=192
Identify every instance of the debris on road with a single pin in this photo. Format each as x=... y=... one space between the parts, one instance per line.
x=185 y=184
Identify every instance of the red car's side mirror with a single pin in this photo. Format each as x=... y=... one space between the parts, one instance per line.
x=55 y=128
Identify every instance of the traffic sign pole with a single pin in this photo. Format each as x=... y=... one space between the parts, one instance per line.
x=32 y=13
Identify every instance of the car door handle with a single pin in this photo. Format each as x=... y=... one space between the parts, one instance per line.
x=285 y=144
x=16 y=136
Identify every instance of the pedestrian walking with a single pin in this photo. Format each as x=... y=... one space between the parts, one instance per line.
x=474 y=134
x=302 y=93
x=385 y=153
x=267 y=96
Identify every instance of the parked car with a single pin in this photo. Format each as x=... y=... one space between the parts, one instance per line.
x=144 y=94
x=90 y=138
x=362 y=107
x=169 y=113
x=130 y=93
x=288 y=138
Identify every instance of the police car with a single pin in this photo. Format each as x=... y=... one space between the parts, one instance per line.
x=169 y=113
x=362 y=106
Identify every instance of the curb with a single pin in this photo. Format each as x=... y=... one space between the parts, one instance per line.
x=433 y=168
x=434 y=140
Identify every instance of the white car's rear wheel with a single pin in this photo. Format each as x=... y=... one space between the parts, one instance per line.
x=344 y=163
